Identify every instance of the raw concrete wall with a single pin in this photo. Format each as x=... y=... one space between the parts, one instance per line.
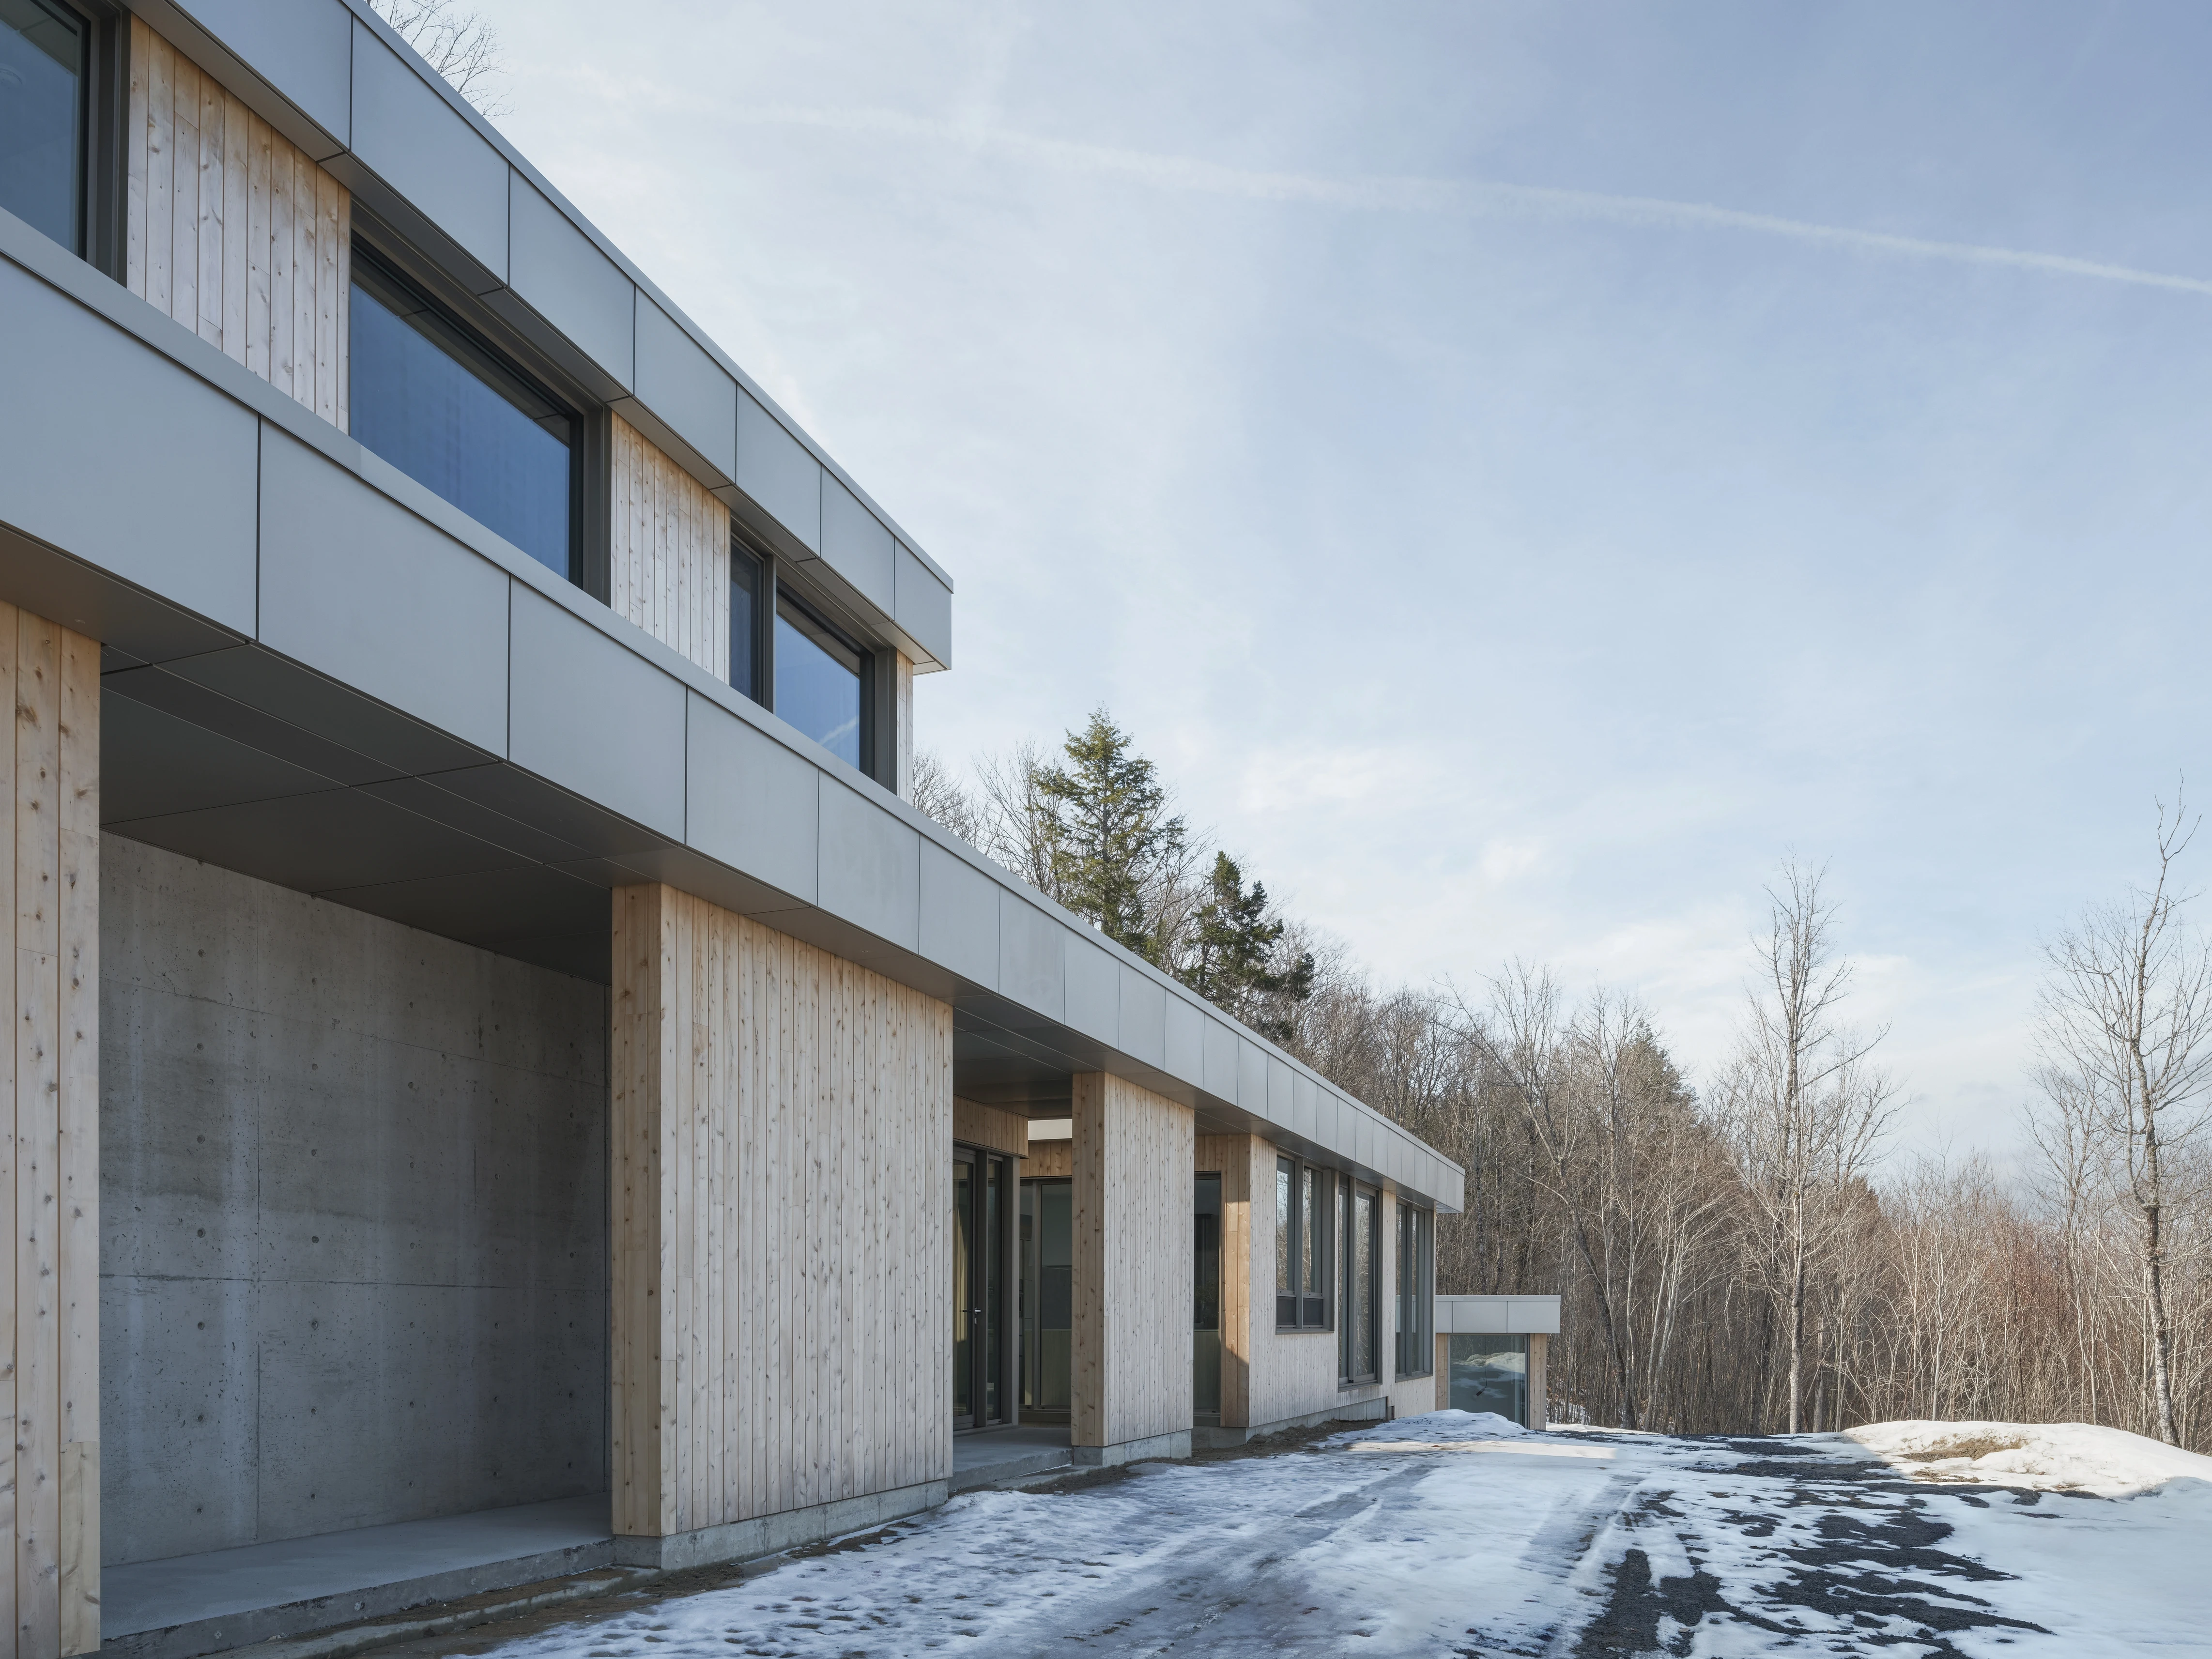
x=353 y=1189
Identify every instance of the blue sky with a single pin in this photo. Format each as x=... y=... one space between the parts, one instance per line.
x=1519 y=468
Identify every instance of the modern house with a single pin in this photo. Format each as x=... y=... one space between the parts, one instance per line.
x=504 y=1083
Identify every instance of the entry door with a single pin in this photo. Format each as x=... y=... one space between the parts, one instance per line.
x=1206 y=1301
x=981 y=1214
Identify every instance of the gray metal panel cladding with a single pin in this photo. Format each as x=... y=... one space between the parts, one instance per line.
x=355 y=586
x=1185 y=1045
x=753 y=803
x=1278 y=1090
x=178 y=517
x=563 y=276
x=417 y=143
x=1221 y=1044
x=922 y=605
x=302 y=48
x=855 y=545
x=686 y=388
x=593 y=716
x=1032 y=956
x=1094 y=990
x=870 y=864
x=1144 y=1017
x=959 y=917
x=1251 y=1077
x=778 y=471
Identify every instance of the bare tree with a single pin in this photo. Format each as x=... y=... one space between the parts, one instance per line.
x=938 y=795
x=461 y=45
x=1805 y=1111
x=2126 y=1043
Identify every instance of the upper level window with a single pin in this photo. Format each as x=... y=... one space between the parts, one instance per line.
x=817 y=679
x=448 y=412
x=748 y=583
x=43 y=61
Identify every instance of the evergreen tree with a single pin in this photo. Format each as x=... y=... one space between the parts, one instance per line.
x=1113 y=837
x=1235 y=956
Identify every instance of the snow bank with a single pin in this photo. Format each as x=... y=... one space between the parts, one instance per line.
x=1434 y=1428
x=2048 y=1456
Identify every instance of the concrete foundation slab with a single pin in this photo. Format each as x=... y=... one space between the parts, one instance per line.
x=193 y=1604
x=993 y=1456
x=741 y=1540
x=1213 y=1437
x=1152 y=1447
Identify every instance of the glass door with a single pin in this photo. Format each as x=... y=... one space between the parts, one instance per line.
x=981 y=1237
x=1047 y=1298
x=1205 y=1301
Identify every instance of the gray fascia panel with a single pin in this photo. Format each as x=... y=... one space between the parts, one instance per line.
x=1221 y=1045
x=356 y=588
x=175 y=515
x=592 y=717
x=1251 y=1077
x=779 y=473
x=751 y=802
x=1094 y=991
x=1303 y=1093
x=686 y=390
x=1280 y=1076
x=432 y=162
x=869 y=866
x=560 y=273
x=855 y=545
x=922 y=606
x=296 y=54
x=1184 y=1053
x=1144 y=1018
x=959 y=917
x=1032 y=957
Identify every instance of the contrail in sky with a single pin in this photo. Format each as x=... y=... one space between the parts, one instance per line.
x=1441 y=196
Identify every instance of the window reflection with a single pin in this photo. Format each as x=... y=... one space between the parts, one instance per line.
x=41 y=72
x=818 y=680
x=450 y=416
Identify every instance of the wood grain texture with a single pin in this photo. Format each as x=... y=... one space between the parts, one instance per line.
x=231 y=229
x=783 y=1281
x=1131 y=1343
x=977 y=1125
x=49 y=1191
x=668 y=563
x=1048 y=1160
x=1539 y=1385
x=1235 y=1158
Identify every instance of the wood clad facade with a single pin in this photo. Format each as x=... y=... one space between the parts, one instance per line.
x=668 y=561
x=231 y=230
x=1236 y=1159
x=782 y=1271
x=995 y=1131
x=1131 y=1343
x=51 y=1192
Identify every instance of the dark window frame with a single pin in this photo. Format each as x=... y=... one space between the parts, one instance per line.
x=389 y=264
x=96 y=231
x=1309 y=1304
x=1417 y=1343
x=866 y=666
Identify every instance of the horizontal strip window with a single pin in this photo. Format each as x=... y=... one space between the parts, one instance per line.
x=435 y=401
x=819 y=679
x=1302 y=1256
x=46 y=57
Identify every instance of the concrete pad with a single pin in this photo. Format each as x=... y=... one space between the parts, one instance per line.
x=991 y=1455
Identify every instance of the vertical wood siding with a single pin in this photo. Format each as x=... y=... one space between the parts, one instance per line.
x=977 y=1125
x=1235 y=1158
x=231 y=230
x=1132 y=1267
x=668 y=565
x=783 y=1121
x=51 y=1192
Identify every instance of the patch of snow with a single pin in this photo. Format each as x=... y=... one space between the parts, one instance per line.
x=2046 y=1456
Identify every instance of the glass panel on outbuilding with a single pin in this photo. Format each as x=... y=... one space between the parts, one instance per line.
x=42 y=51
x=1490 y=1373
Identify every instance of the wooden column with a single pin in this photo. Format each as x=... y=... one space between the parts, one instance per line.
x=1134 y=1154
x=1238 y=1158
x=50 y=1383
x=782 y=1277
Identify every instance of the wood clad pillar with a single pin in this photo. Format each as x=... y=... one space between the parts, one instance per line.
x=51 y=1382
x=1133 y=1155
x=782 y=1275
x=1244 y=1185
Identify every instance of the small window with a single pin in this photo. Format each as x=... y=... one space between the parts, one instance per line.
x=1416 y=1291
x=1490 y=1374
x=450 y=413
x=748 y=576
x=44 y=52
x=817 y=679
x=1302 y=1246
x=1363 y=1215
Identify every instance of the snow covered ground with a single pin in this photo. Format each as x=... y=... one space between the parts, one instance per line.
x=1464 y=1535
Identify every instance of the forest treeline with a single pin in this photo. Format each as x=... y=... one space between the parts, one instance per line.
x=1746 y=1252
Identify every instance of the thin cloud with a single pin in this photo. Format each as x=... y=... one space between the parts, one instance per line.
x=1440 y=196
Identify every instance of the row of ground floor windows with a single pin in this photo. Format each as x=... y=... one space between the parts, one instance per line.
x=995 y=1215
